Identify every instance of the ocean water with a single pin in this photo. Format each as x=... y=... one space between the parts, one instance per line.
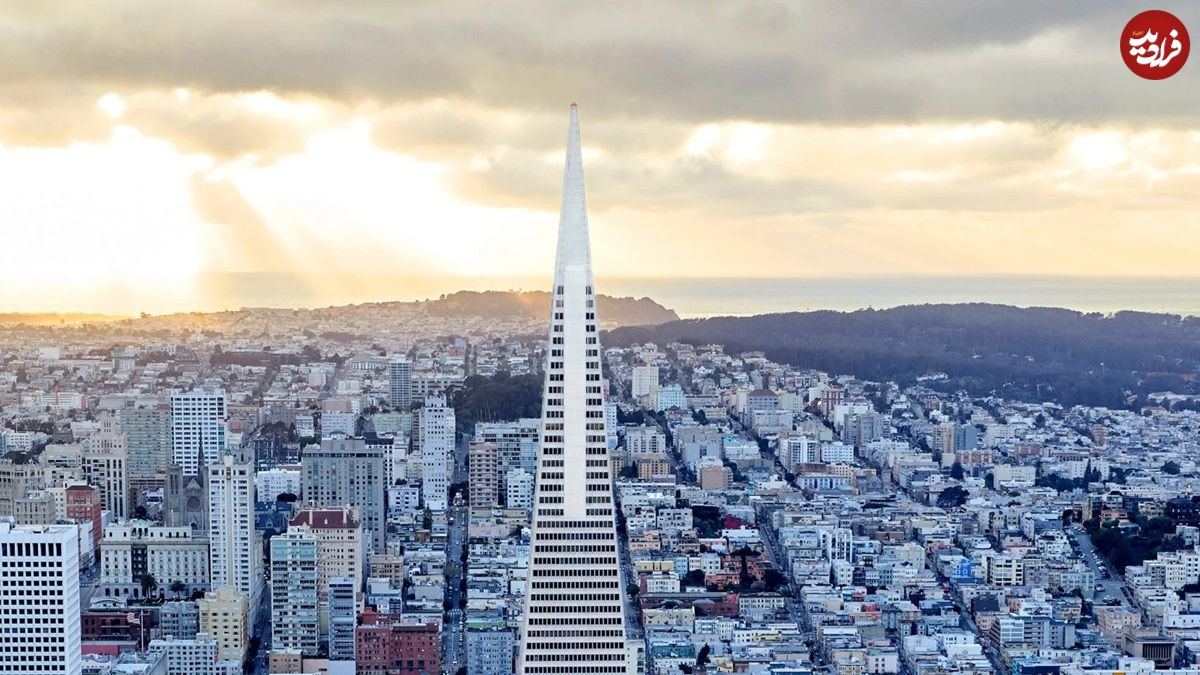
x=741 y=296
x=704 y=297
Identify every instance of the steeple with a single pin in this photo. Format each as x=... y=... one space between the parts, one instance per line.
x=574 y=250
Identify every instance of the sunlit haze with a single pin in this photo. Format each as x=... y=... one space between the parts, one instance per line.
x=224 y=153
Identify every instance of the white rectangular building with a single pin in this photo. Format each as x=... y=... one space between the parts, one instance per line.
x=235 y=557
x=437 y=451
x=39 y=621
x=198 y=428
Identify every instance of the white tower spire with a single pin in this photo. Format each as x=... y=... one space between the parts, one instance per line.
x=574 y=248
x=574 y=618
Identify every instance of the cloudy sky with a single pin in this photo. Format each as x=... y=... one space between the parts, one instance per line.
x=170 y=156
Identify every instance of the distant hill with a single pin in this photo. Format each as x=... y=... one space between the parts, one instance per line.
x=54 y=319
x=513 y=312
x=536 y=305
x=1034 y=353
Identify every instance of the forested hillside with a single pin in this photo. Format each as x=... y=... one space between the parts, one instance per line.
x=1042 y=353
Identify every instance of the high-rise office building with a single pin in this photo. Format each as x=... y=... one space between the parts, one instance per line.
x=437 y=451
x=347 y=472
x=343 y=617
x=235 y=552
x=294 y=620
x=148 y=441
x=198 y=428
x=39 y=620
x=574 y=619
x=400 y=383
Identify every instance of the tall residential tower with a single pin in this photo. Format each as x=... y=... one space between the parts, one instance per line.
x=574 y=618
x=198 y=428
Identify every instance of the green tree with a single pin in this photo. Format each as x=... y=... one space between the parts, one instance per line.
x=952 y=497
x=178 y=587
x=702 y=656
x=149 y=584
x=1171 y=467
x=956 y=471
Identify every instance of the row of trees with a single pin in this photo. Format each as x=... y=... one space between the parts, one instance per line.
x=150 y=584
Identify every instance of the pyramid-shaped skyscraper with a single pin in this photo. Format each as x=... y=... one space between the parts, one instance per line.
x=574 y=618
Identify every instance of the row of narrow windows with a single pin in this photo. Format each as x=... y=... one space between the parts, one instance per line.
x=591 y=500
x=590 y=426
x=557 y=353
x=558 y=513
x=575 y=584
x=575 y=561
x=588 y=341
x=558 y=414
x=573 y=609
x=577 y=656
x=558 y=463
x=574 y=548
x=591 y=365
x=575 y=645
x=561 y=476
x=596 y=450
x=561 y=669
x=575 y=597
x=576 y=573
x=577 y=621
x=592 y=632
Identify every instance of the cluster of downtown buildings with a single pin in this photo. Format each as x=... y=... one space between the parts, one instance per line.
x=297 y=494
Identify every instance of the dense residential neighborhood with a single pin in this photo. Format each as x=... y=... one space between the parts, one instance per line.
x=771 y=519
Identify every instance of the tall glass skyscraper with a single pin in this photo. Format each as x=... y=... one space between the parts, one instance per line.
x=574 y=618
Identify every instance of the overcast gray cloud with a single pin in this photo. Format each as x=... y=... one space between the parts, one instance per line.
x=787 y=62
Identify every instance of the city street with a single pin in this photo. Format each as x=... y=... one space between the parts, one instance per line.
x=1111 y=583
x=89 y=580
x=454 y=635
x=262 y=629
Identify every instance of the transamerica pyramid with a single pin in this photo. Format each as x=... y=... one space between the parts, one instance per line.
x=574 y=618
